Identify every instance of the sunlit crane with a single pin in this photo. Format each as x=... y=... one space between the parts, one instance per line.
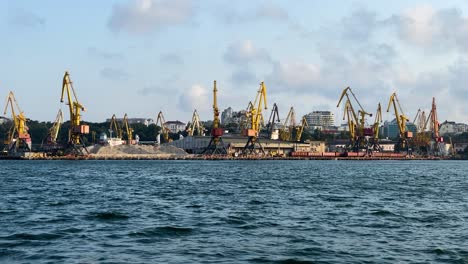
x=18 y=137
x=196 y=126
x=76 y=130
x=374 y=141
x=434 y=126
x=256 y=120
x=358 y=133
x=288 y=126
x=404 y=135
x=114 y=127
x=300 y=129
x=161 y=122
x=128 y=130
x=53 y=132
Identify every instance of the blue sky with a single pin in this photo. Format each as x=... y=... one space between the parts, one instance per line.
x=142 y=56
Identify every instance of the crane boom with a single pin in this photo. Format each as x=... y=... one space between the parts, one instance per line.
x=162 y=123
x=54 y=130
x=300 y=129
x=288 y=125
x=115 y=127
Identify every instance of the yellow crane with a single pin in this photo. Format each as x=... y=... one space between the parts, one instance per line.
x=300 y=129
x=53 y=132
x=375 y=145
x=256 y=119
x=18 y=137
x=76 y=130
x=350 y=116
x=288 y=125
x=358 y=132
x=216 y=144
x=128 y=130
x=401 y=119
x=115 y=127
x=196 y=125
x=161 y=122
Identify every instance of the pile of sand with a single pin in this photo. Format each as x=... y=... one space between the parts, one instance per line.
x=137 y=150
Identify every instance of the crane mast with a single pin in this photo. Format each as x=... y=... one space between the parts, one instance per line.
x=401 y=119
x=256 y=119
x=18 y=136
x=76 y=130
x=216 y=144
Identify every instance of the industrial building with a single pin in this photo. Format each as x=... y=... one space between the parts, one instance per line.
x=391 y=130
x=235 y=145
x=175 y=126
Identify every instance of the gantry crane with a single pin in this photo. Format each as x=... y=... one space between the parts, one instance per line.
x=256 y=119
x=404 y=135
x=300 y=129
x=286 y=132
x=216 y=144
x=161 y=121
x=196 y=125
x=128 y=130
x=272 y=123
x=53 y=132
x=115 y=127
x=374 y=141
x=76 y=130
x=358 y=132
x=18 y=139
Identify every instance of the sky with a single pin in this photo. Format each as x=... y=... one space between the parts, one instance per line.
x=144 y=56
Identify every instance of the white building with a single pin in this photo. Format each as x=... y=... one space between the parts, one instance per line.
x=175 y=126
x=320 y=118
x=450 y=127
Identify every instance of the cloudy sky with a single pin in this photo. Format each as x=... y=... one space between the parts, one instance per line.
x=143 y=56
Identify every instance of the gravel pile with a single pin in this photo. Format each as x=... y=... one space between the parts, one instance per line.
x=137 y=150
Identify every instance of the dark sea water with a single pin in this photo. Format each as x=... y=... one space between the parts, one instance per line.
x=234 y=212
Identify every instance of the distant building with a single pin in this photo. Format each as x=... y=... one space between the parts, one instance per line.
x=391 y=130
x=450 y=127
x=175 y=126
x=320 y=119
x=229 y=116
x=226 y=115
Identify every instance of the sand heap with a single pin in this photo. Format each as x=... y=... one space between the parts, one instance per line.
x=137 y=150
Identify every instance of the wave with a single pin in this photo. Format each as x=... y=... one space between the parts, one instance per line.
x=163 y=231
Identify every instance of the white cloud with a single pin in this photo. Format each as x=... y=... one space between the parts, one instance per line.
x=244 y=52
x=142 y=16
x=295 y=74
x=197 y=97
